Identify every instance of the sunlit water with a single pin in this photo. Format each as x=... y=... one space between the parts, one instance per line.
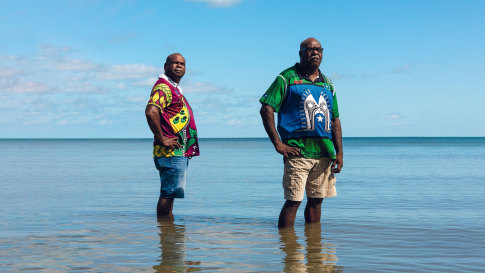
x=403 y=205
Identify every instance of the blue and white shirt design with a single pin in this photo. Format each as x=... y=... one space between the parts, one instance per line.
x=306 y=111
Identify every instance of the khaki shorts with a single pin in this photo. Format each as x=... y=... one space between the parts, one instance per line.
x=311 y=174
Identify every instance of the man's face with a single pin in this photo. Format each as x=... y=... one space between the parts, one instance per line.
x=311 y=54
x=175 y=68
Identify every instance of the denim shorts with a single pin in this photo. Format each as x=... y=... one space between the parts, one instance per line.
x=173 y=173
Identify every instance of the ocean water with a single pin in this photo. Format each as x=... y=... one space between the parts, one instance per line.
x=403 y=205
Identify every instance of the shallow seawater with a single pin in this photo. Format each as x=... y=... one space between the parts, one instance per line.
x=403 y=205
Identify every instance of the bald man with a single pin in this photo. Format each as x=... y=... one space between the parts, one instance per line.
x=309 y=134
x=172 y=123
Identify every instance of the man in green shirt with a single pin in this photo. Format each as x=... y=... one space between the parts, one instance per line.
x=308 y=134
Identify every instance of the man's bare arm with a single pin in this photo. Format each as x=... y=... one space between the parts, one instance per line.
x=153 y=118
x=267 y=114
x=338 y=163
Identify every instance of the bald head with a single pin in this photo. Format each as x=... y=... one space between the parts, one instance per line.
x=308 y=42
x=310 y=54
x=175 y=66
x=172 y=56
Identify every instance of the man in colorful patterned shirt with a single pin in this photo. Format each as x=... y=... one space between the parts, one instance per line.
x=171 y=121
x=309 y=134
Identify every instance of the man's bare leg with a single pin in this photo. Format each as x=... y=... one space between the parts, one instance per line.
x=288 y=214
x=313 y=210
x=164 y=208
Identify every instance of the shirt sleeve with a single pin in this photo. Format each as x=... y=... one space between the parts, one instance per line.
x=275 y=94
x=335 y=113
x=161 y=96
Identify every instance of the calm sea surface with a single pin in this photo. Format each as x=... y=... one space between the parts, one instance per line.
x=403 y=205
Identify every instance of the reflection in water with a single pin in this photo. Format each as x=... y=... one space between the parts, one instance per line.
x=172 y=245
x=316 y=256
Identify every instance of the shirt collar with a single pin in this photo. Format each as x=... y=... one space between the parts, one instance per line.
x=301 y=73
x=173 y=83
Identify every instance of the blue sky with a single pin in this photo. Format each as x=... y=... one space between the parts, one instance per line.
x=84 y=69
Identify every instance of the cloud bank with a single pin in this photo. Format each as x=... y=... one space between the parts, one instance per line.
x=56 y=88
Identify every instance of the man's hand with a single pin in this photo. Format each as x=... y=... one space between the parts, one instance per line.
x=171 y=142
x=337 y=163
x=267 y=114
x=287 y=151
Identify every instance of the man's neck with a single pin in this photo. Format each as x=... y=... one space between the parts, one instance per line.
x=176 y=80
x=313 y=74
x=171 y=79
x=310 y=72
x=174 y=83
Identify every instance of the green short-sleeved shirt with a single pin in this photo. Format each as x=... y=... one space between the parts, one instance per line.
x=275 y=96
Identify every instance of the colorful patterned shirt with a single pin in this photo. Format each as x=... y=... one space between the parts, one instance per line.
x=177 y=119
x=305 y=111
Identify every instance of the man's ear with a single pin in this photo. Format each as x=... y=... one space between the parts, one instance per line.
x=299 y=53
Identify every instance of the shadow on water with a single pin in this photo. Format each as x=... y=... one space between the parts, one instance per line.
x=313 y=255
x=173 y=249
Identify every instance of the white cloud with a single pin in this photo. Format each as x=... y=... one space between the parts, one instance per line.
x=54 y=69
x=62 y=110
x=193 y=73
x=394 y=116
x=59 y=87
x=137 y=99
x=403 y=68
x=363 y=76
x=49 y=49
x=127 y=71
x=7 y=72
x=203 y=87
x=81 y=87
x=65 y=64
x=14 y=85
x=234 y=122
x=54 y=58
x=218 y=3
x=148 y=82
x=105 y=122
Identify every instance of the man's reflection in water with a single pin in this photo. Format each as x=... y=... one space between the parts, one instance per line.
x=294 y=260
x=172 y=245
x=315 y=256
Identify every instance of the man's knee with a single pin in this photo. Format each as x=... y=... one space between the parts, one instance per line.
x=290 y=203
x=315 y=202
